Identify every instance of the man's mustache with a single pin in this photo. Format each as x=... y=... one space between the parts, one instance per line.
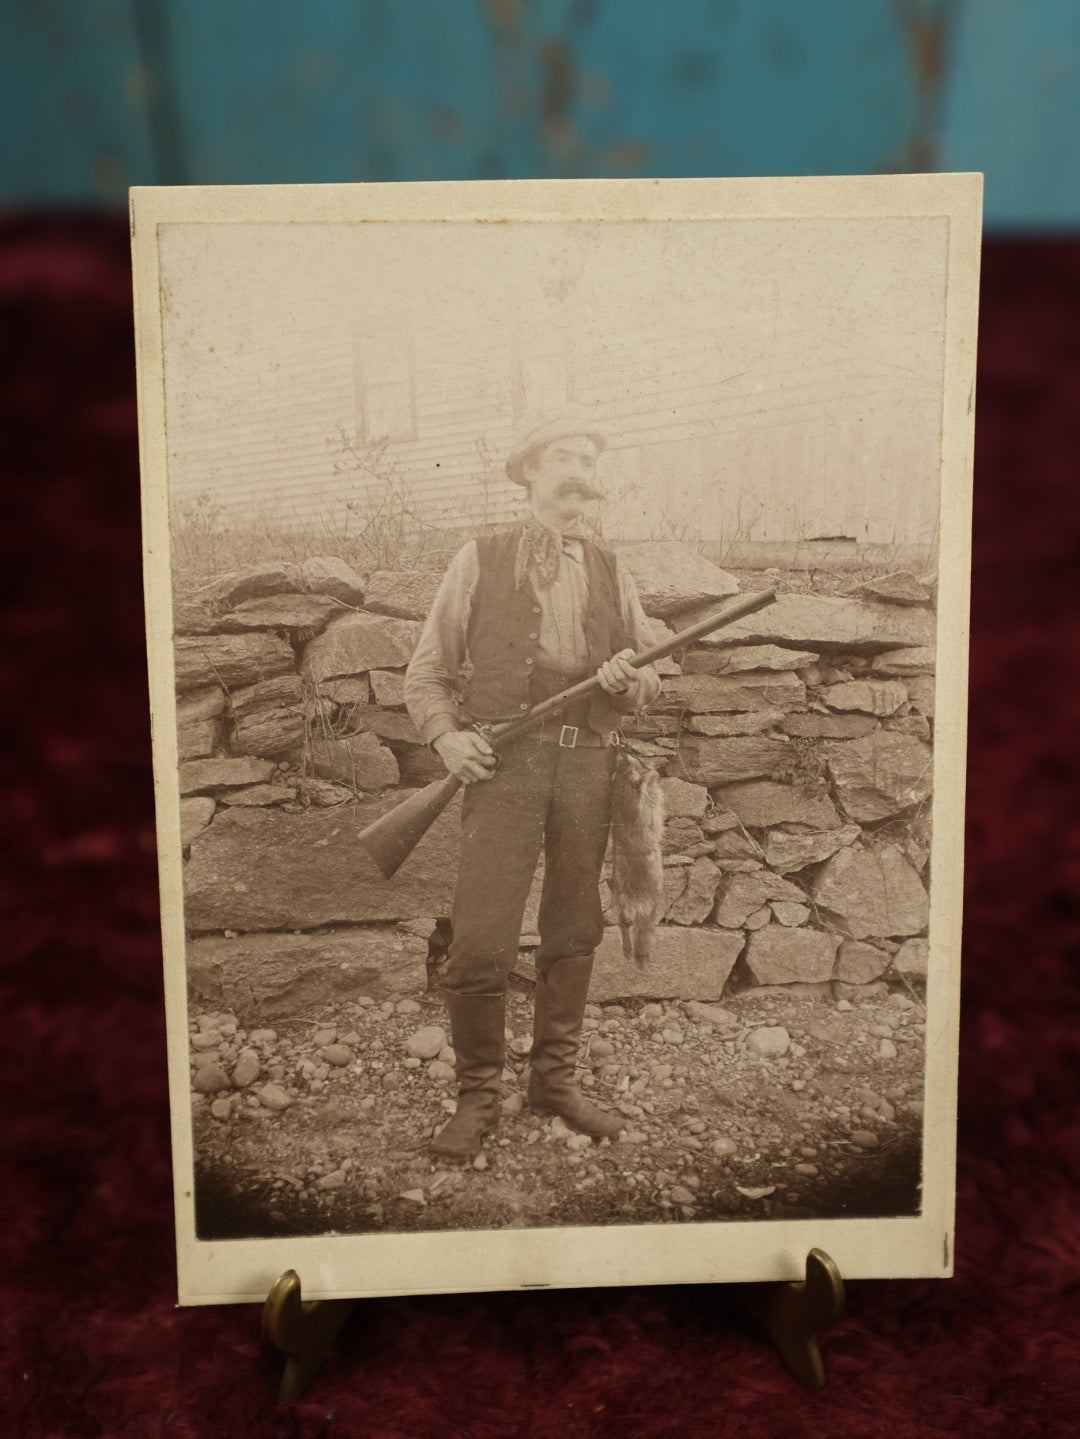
x=578 y=487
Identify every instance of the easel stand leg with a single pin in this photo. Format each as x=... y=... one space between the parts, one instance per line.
x=303 y=1331
x=792 y=1314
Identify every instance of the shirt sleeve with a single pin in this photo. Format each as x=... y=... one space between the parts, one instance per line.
x=640 y=630
x=434 y=672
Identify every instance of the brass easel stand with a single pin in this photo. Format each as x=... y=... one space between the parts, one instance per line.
x=794 y=1314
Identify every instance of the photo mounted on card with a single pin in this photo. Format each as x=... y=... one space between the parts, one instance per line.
x=557 y=614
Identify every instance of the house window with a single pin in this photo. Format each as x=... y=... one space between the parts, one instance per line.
x=387 y=399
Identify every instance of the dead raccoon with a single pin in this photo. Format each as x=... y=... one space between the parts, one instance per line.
x=637 y=871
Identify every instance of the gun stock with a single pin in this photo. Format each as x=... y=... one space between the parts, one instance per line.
x=393 y=837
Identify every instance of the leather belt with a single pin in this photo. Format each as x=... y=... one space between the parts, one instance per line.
x=572 y=736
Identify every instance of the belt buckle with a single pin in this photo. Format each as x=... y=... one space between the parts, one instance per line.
x=570 y=730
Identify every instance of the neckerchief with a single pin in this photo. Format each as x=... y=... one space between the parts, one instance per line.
x=544 y=546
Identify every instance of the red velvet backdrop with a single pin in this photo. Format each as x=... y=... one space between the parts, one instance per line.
x=92 y=1343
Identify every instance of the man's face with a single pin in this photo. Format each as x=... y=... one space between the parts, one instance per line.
x=562 y=478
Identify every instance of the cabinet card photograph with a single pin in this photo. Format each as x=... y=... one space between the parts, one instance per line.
x=557 y=612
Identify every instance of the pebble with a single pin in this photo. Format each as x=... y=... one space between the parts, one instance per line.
x=365 y=1001
x=337 y=1054
x=798 y=1085
x=660 y=1072
x=209 y=1078
x=886 y=1049
x=221 y=1109
x=392 y=1080
x=633 y=1136
x=324 y=1036
x=845 y=1006
x=532 y=1136
x=724 y=1147
x=601 y=1049
x=880 y=1031
x=331 y=1181
x=865 y=1139
x=480 y=1162
x=446 y=1055
x=520 y=1047
x=901 y=1001
x=512 y=1104
x=769 y=1042
x=352 y=1038
x=672 y=1036
x=263 y=1036
x=652 y=1011
x=200 y=1061
x=806 y=1169
x=246 y=1071
x=272 y=1096
x=228 y=1026
x=681 y=1195
x=439 y=1071
x=414 y=1196
x=407 y=1006
x=211 y=1039
x=426 y=1042
x=710 y=1014
x=578 y=1142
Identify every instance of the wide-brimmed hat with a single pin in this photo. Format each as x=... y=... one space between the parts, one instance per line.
x=538 y=432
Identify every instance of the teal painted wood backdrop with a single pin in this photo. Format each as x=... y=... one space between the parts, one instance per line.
x=100 y=94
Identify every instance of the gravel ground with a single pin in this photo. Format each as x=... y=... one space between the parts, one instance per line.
x=779 y=1103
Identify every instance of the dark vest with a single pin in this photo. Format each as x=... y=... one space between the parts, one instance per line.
x=504 y=634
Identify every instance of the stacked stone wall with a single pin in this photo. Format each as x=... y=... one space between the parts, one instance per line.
x=795 y=748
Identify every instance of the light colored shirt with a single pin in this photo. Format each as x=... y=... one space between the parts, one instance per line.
x=435 y=671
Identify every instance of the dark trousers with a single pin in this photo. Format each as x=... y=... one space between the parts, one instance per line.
x=541 y=796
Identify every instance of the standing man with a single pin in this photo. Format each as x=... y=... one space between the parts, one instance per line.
x=528 y=613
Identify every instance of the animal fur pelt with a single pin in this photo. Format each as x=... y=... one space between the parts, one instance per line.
x=637 y=870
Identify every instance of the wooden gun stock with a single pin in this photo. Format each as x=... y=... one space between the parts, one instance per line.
x=393 y=837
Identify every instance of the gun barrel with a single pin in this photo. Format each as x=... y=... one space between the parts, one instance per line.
x=393 y=837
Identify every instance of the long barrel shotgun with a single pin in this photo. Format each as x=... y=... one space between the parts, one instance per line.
x=392 y=838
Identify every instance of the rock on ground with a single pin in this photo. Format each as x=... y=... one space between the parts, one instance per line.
x=267 y=869
x=328 y=575
x=201 y=775
x=787 y=853
x=405 y=594
x=359 y=761
x=725 y=761
x=262 y=977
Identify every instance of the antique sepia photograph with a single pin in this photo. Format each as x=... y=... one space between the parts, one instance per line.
x=557 y=604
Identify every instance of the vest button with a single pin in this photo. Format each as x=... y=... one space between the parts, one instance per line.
x=528 y=661
x=536 y=609
x=523 y=706
x=534 y=635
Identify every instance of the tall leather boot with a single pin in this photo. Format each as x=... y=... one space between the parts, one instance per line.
x=561 y=994
x=477 y=1023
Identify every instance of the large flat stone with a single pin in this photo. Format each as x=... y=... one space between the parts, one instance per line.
x=329 y=575
x=778 y=955
x=899 y=588
x=762 y=803
x=719 y=694
x=683 y=800
x=685 y=964
x=722 y=761
x=281 y=612
x=811 y=621
x=742 y=722
x=406 y=594
x=736 y=659
x=195 y=814
x=271 y=976
x=861 y=963
x=880 y=775
x=873 y=894
x=269 y=717
x=818 y=726
x=267 y=869
x=205 y=776
x=230 y=660
x=672 y=578
x=360 y=642
x=919 y=660
x=388 y=688
x=875 y=697
x=204 y=704
x=198 y=739
x=272 y=578
x=358 y=761
x=787 y=853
